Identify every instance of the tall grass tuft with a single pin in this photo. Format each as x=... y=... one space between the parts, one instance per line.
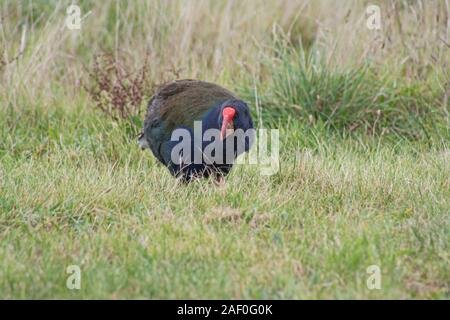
x=307 y=87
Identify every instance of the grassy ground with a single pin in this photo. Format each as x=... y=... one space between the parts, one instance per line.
x=364 y=174
x=76 y=191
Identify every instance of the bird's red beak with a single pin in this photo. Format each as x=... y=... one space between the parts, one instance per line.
x=227 y=122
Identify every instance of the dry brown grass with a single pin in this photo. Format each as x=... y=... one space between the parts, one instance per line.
x=215 y=40
x=116 y=90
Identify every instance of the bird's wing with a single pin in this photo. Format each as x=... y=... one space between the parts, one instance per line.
x=180 y=103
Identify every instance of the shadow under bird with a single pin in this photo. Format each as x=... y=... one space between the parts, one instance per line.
x=178 y=105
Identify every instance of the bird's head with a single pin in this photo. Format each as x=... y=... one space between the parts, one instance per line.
x=234 y=114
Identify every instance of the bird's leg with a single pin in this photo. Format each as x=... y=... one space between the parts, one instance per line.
x=219 y=180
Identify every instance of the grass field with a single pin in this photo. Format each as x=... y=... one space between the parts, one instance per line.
x=364 y=152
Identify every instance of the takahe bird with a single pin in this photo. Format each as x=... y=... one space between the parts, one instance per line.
x=177 y=105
